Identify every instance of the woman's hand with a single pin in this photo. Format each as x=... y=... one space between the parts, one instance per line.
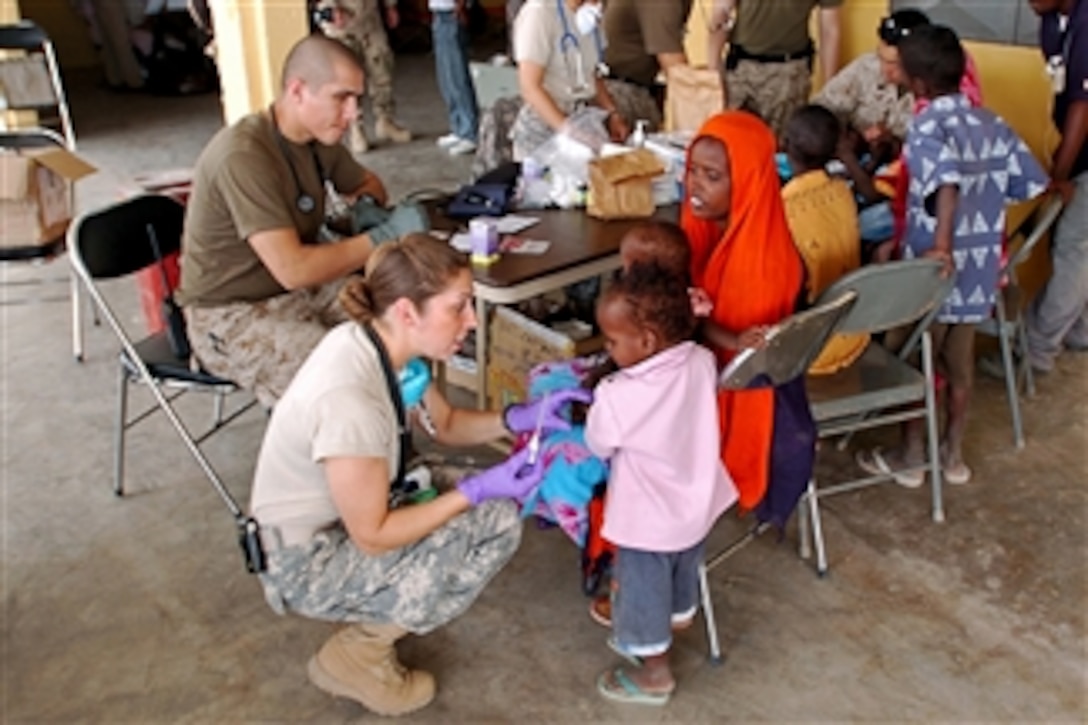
x=515 y=478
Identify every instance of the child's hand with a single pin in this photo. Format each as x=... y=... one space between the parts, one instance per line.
x=701 y=304
x=944 y=258
x=755 y=337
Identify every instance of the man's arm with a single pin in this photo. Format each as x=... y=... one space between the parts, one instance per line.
x=296 y=265
x=531 y=84
x=372 y=186
x=830 y=35
x=718 y=27
x=1074 y=134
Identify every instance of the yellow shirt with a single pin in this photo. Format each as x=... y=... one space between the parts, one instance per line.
x=823 y=219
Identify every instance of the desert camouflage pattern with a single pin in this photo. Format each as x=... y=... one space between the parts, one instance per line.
x=772 y=91
x=365 y=35
x=417 y=587
x=261 y=345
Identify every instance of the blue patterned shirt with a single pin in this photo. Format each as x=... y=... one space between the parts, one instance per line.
x=951 y=142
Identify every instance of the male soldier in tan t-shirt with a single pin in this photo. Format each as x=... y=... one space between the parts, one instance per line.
x=259 y=291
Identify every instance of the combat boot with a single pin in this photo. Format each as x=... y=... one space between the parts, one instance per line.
x=386 y=129
x=357 y=139
x=360 y=662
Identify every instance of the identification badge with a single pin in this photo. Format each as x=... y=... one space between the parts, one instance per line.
x=1055 y=71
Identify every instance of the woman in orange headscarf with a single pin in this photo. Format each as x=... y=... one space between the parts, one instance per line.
x=744 y=257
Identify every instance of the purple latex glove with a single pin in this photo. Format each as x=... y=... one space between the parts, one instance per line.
x=514 y=478
x=523 y=417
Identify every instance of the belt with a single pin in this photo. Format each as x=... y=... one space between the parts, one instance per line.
x=737 y=53
x=274 y=538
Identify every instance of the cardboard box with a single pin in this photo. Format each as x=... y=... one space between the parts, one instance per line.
x=517 y=344
x=36 y=194
x=620 y=186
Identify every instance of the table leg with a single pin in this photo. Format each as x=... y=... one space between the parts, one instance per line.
x=481 y=353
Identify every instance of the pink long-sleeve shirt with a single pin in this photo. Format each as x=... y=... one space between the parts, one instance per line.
x=657 y=422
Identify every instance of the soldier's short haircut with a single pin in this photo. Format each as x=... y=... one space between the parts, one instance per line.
x=313 y=60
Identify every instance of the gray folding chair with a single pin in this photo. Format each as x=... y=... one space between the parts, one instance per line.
x=791 y=347
x=29 y=251
x=116 y=242
x=880 y=387
x=1007 y=324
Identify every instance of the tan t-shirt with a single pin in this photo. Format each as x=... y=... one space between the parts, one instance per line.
x=338 y=405
x=243 y=183
x=637 y=31
x=775 y=26
x=537 y=32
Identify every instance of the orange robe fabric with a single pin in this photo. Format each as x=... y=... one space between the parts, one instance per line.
x=753 y=274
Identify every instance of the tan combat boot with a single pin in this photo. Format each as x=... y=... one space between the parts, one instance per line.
x=360 y=662
x=386 y=129
x=357 y=139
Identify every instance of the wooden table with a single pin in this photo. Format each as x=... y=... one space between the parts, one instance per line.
x=581 y=248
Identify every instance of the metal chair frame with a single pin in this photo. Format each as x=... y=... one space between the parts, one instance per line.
x=1012 y=333
x=890 y=296
x=792 y=346
x=29 y=38
x=114 y=242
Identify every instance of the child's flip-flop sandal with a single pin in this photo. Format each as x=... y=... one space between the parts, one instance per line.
x=874 y=463
x=615 y=684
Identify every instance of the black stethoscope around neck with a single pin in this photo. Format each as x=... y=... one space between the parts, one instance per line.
x=304 y=202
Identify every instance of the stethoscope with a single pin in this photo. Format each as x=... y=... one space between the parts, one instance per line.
x=303 y=202
x=569 y=41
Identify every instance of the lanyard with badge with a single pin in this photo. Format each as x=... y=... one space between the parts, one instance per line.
x=586 y=20
x=1056 y=64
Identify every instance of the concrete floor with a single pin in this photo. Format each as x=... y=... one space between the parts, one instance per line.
x=139 y=610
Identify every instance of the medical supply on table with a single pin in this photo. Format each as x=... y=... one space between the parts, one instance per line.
x=484 y=237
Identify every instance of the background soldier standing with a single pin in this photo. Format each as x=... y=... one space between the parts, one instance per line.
x=358 y=25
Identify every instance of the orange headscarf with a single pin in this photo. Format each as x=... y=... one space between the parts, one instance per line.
x=754 y=275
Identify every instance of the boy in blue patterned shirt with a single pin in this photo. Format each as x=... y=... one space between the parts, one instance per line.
x=965 y=165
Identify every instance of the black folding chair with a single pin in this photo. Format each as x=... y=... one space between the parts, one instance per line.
x=118 y=241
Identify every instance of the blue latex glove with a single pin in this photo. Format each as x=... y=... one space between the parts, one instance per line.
x=414 y=379
x=406 y=218
x=514 y=478
x=523 y=417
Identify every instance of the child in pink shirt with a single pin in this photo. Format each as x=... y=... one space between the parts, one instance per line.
x=656 y=420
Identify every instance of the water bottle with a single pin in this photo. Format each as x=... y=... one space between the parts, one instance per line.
x=638 y=136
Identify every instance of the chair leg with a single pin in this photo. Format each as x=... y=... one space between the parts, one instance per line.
x=1025 y=362
x=77 y=317
x=1011 y=381
x=932 y=432
x=708 y=618
x=804 y=543
x=119 y=434
x=217 y=408
x=817 y=528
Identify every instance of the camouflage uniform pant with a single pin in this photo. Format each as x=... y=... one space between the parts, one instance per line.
x=493 y=144
x=366 y=36
x=261 y=345
x=772 y=91
x=418 y=587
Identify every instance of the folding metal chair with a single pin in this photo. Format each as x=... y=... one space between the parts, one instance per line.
x=880 y=387
x=792 y=346
x=115 y=242
x=1007 y=324
x=30 y=81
